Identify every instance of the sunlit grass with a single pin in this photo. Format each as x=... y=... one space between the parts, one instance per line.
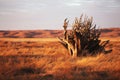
x=49 y=60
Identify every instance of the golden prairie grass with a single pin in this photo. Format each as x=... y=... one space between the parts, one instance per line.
x=49 y=60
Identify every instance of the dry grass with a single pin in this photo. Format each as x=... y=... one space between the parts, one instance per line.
x=49 y=60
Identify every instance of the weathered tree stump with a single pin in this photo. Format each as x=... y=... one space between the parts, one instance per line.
x=83 y=37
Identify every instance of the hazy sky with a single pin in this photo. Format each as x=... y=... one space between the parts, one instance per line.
x=49 y=14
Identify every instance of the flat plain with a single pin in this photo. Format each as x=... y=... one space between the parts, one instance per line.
x=45 y=58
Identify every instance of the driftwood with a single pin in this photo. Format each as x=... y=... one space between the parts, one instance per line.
x=84 y=37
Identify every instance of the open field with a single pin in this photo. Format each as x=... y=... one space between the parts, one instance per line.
x=106 y=32
x=38 y=55
x=30 y=39
x=48 y=39
x=47 y=59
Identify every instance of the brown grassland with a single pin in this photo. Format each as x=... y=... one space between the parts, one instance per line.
x=47 y=59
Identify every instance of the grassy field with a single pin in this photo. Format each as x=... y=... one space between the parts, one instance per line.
x=47 y=59
x=49 y=39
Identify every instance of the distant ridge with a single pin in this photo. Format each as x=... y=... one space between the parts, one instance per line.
x=106 y=32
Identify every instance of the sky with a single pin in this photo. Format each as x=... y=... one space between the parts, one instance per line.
x=50 y=14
